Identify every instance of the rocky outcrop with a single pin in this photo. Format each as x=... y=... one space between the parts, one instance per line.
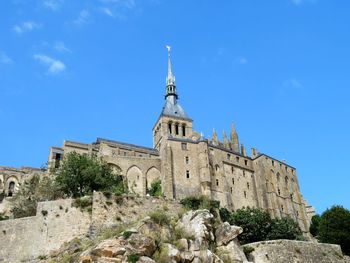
x=291 y=251
x=194 y=238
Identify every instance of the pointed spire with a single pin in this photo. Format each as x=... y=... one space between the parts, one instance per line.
x=234 y=139
x=226 y=143
x=214 y=139
x=170 y=79
x=243 y=151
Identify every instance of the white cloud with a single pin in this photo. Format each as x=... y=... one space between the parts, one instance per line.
x=61 y=47
x=54 y=66
x=54 y=5
x=107 y=11
x=292 y=83
x=297 y=2
x=241 y=60
x=124 y=3
x=300 y=2
x=4 y=59
x=83 y=17
x=26 y=27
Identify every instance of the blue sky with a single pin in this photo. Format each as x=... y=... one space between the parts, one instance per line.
x=279 y=69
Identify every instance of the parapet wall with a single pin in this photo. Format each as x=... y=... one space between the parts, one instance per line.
x=58 y=221
x=27 y=238
x=108 y=211
x=290 y=251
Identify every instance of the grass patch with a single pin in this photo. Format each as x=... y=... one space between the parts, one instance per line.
x=247 y=250
x=160 y=217
x=133 y=258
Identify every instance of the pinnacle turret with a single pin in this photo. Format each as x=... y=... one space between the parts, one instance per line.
x=214 y=139
x=234 y=139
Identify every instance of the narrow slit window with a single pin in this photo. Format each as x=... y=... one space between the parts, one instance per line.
x=177 y=129
x=187 y=174
x=169 y=127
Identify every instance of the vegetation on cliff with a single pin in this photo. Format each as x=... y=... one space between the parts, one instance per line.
x=258 y=225
x=333 y=226
x=81 y=174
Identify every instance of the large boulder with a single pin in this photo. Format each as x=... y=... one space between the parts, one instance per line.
x=225 y=233
x=197 y=225
x=232 y=252
x=148 y=228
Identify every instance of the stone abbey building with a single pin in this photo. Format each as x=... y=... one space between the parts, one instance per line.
x=189 y=164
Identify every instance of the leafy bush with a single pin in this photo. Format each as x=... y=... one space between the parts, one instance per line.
x=225 y=215
x=315 y=223
x=202 y=202
x=31 y=192
x=256 y=224
x=285 y=228
x=81 y=174
x=127 y=234
x=133 y=258
x=160 y=217
x=156 y=188
x=3 y=217
x=334 y=227
x=84 y=202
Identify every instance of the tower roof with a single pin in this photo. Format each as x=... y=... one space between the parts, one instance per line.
x=172 y=108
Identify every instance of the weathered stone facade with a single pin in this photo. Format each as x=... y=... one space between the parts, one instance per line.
x=189 y=164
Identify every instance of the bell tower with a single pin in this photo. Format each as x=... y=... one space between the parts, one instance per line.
x=173 y=121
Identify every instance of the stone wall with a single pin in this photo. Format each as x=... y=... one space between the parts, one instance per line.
x=55 y=223
x=111 y=210
x=58 y=221
x=288 y=251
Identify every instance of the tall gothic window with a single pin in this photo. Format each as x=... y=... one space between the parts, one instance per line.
x=169 y=127
x=183 y=130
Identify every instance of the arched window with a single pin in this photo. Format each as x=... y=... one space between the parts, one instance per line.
x=183 y=130
x=286 y=180
x=169 y=127
x=177 y=129
x=11 y=188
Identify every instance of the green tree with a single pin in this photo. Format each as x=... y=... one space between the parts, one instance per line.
x=31 y=192
x=334 y=227
x=285 y=228
x=256 y=224
x=315 y=223
x=156 y=188
x=81 y=174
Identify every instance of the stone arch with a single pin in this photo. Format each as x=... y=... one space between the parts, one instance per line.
x=1 y=181
x=116 y=169
x=134 y=179
x=11 y=186
x=152 y=174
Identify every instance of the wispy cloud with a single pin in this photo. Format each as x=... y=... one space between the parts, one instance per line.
x=82 y=18
x=107 y=11
x=54 y=66
x=4 y=59
x=123 y=3
x=241 y=60
x=26 y=27
x=53 y=5
x=300 y=2
x=61 y=47
x=292 y=83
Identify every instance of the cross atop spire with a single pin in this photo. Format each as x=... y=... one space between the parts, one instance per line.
x=170 y=80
